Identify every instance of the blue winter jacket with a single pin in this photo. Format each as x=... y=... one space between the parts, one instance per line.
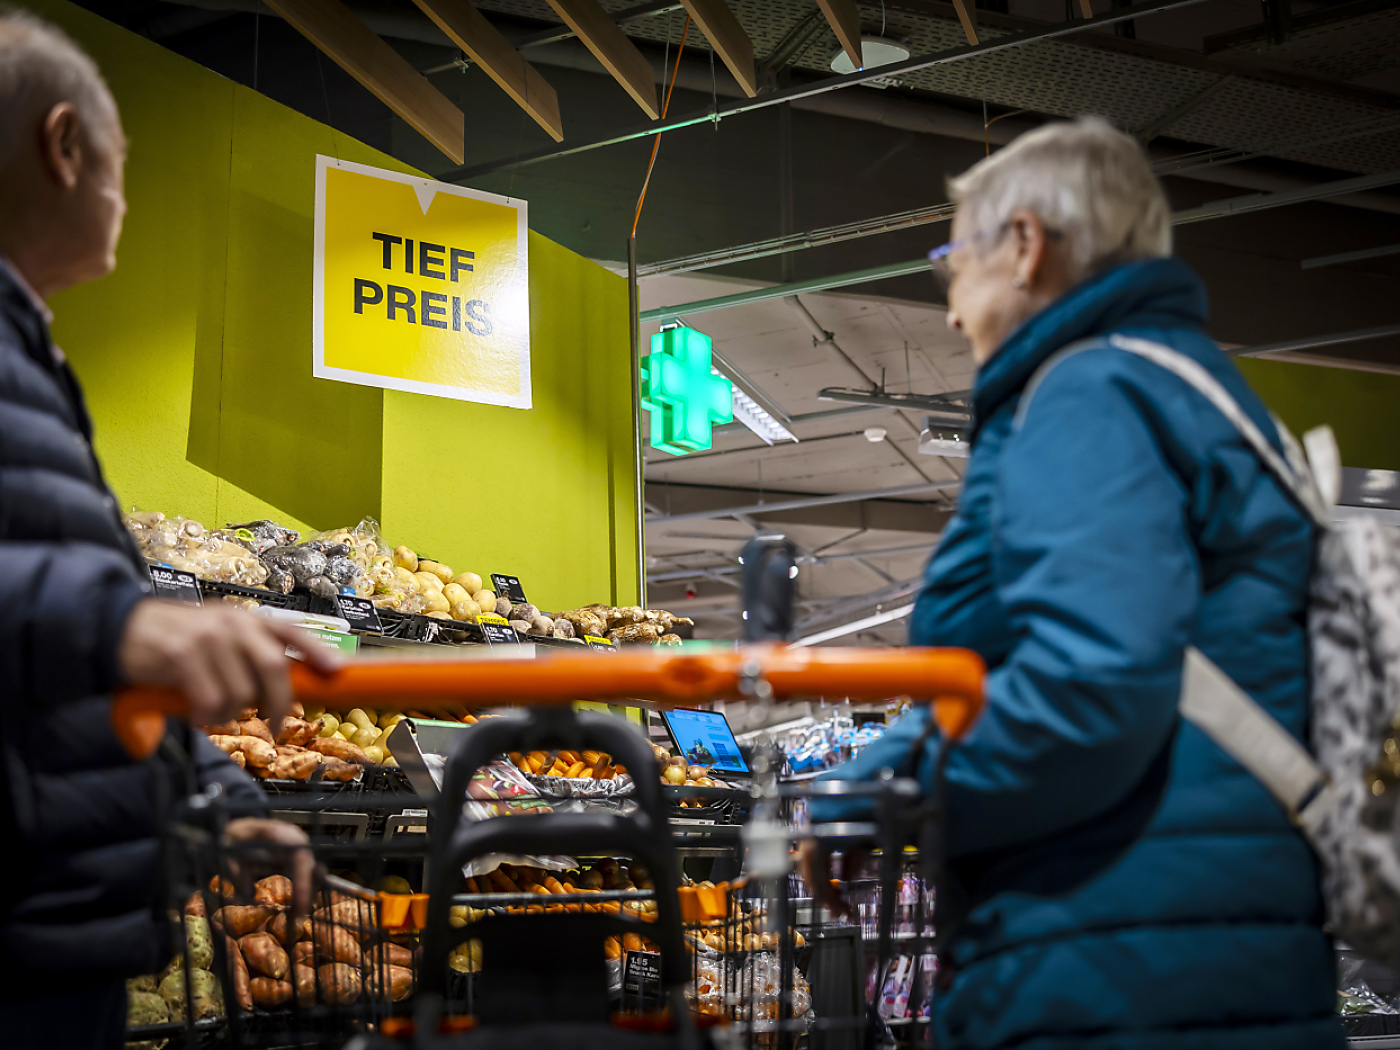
x=1116 y=879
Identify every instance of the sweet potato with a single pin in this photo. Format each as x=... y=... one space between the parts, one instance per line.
x=393 y=982
x=256 y=753
x=256 y=727
x=275 y=890
x=240 y=920
x=195 y=904
x=338 y=769
x=351 y=912
x=224 y=729
x=223 y=886
x=388 y=954
x=265 y=955
x=335 y=943
x=239 y=760
x=298 y=731
x=238 y=973
x=305 y=979
x=340 y=984
x=304 y=954
x=294 y=767
x=338 y=747
x=268 y=993
x=278 y=928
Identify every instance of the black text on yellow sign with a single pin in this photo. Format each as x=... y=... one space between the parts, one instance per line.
x=420 y=286
x=434 y=309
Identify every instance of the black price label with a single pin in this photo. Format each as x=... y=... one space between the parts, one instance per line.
x=497 y=630
x=509 y=587
x=175 y=583
x=359 y=613
x=600 y=644
x=641 y=975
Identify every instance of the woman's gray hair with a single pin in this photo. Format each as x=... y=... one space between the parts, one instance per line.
x=41 y=66
x=1083 y=178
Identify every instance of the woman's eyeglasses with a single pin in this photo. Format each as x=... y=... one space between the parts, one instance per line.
x=941 y=257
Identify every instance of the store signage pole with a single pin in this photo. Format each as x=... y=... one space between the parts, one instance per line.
x=634 y=332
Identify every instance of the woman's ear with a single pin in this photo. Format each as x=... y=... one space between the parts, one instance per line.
x=1029 y=240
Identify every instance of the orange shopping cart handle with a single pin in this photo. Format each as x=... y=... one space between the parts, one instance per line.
x=951 y=679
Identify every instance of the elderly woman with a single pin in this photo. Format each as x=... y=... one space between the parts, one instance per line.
x=1115 y=879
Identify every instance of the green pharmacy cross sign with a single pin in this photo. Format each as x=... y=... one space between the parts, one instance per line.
x=682 y=393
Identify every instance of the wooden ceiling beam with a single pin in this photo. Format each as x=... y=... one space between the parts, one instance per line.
x=728 y=38
x=355 y=48
x=967 y=15
x=468 y=28
x=611 y=46
x=844 y=19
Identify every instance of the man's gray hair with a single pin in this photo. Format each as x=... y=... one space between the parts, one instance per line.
x=41 y=66
x=1083 y=178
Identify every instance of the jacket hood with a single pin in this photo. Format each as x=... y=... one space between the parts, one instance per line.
x=1150 y=293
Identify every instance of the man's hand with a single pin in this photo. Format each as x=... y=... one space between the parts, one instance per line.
x=222 y=659
x=814 y=864
x=272 y=847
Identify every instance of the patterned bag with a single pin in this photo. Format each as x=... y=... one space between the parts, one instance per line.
x=1343 y=796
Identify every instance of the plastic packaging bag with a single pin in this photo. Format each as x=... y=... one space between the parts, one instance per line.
x=184 y=544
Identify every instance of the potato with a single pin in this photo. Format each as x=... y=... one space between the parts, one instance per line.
x=405 y=559
x=387 y=722
x=405 y=578
x=394 y=884
x=335 y=943
x=427 y=582
x=329 y=725
x=454 y=593
x=466 y=610
x=485 y=598
x=313 y=712
x=436 y=568
x=345 y=732
x=341 y=749
x=339 y=984
x=275 y=890
x=376 y=754
x=270 y=994
x=360 y=717
x=365 y=737
x=264 y=955
x=468 y=581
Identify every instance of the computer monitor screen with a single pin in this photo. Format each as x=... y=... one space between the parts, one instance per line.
x=705 y=739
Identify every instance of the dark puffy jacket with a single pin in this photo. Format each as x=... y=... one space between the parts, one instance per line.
x=1119 y=880
x=82 y=885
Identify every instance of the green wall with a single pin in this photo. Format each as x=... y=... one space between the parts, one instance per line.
x=196 y=357
x=1359 y=406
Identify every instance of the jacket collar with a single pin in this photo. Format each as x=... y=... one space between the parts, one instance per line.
x=1150 y=293
x=23 y=308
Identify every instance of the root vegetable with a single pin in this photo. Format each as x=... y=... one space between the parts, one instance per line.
x=335 y=943
x=278 y=928
x=341 y=749
x=455 y=592
x=270 y=994
x=436 y=568
x=297 y=731
x=395 y=982
x=388 y=954
x=195 y=904
x=256 y=727
x=339 y=984
x=468 y=581
x=349 y=911
x=264 y=955
x=428 y=583
x=275 y=890
x=238 y=974
x=305 y=978
x=486 y=598
x=240 y=920
x=404 y=558
x=436 y=602
x=338 y=769
x=329 y=725
x=294 y=767
x=257 y=753
x=199 y=942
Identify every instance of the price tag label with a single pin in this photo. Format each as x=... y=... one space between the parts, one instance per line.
x=641 y=975
x=508 y=587
x=175 y=583
x=601 y=644
x=497 y=630
x=359 y=613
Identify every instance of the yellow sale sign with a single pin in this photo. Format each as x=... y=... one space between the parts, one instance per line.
x=420 y=286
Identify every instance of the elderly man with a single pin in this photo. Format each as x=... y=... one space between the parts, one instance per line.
x=82 y=821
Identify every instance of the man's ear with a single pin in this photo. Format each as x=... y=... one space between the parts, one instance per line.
x=61 y=145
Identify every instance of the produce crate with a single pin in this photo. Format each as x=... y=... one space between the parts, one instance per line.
x=296 y=601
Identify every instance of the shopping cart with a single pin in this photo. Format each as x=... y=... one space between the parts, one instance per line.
x=541 y=978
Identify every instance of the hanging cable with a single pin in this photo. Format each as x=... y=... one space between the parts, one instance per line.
x=656 y=142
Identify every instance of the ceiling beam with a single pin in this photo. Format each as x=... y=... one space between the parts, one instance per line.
x=821 y=87
x=468 y=28
x=884 y=515
x=610 y=46
x=355 y=48
x=727 y=36
x=844 y=19
x=803 y=502
x=967 y=15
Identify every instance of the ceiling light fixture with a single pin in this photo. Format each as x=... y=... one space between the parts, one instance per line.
x=875 y=434
x=939 y=439
x=875 y=51
x=757 y=418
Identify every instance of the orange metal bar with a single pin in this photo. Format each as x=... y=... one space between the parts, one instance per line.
x=951 y=679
